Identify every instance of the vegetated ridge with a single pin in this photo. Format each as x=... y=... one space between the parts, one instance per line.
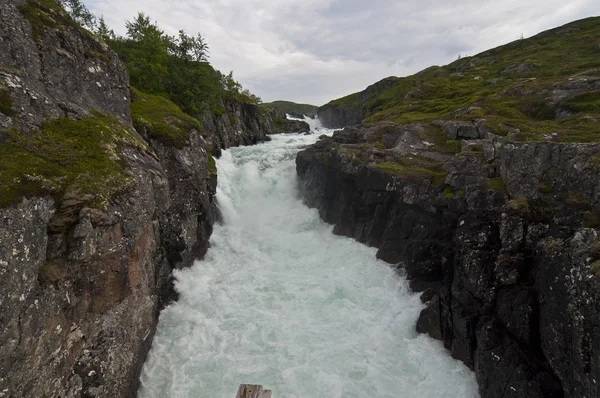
x=293 y=108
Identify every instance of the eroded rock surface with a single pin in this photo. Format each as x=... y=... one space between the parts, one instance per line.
x=82 y=279
x=501 y=237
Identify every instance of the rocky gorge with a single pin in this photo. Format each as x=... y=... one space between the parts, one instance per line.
x=105 y=190
x=98 y=206
x=492 y=215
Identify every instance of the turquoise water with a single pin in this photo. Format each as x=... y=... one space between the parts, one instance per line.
x=282 y=302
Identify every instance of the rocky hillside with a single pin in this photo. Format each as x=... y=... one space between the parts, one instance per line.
x=479 y=181
x=293 y=109
x=533 y=85
x=103 y=191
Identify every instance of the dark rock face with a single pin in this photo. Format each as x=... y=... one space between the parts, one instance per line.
x=292 y=127
x=503 y=247
x=81 y=287
x=241 y=124
x=353 y=111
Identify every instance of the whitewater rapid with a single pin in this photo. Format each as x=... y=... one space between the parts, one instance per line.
x=282 y=302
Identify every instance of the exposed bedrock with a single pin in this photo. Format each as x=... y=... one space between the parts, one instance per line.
x=85 y=273
x=501 y=237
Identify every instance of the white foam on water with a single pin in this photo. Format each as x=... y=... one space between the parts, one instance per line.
x=282 y=302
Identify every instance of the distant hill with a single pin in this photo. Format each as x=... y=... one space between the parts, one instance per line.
x=544 y=86
x=292 y=107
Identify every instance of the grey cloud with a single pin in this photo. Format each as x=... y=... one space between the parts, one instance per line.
x=317 y=50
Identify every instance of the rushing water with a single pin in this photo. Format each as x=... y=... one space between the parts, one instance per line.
x=281 y=301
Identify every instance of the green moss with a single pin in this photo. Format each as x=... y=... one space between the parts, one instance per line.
x=212 y=165
x=163 y=120
x=96 y=54
x=10 y=70
x=219 y=111
x=448 y=192
x=595 y=268
x=415 y=167
x=595 y=251
x=519 y=205
x=590 y=219
x=77 y=155
x=544 y=188
x=232 y=120
x=46 y=14
x=6 y=102
x=594 y=161
x=497 y=185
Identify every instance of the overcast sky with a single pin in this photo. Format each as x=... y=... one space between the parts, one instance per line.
x=314 y=51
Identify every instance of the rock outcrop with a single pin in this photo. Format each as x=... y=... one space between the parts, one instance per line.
x=353 y=108
x=240 y=124
x=90 y=231
x=501 y=237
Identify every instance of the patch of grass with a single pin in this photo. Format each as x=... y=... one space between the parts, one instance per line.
x=218 y=111
x=448 y=192
x=46 y=14
x=6 y=102
x=590 y=219
x=96 y=54
x=519 y=205
x=415 y=167
x=10 y=70
x=497 y=185
x=588 y=103
x=212 y=165
x=595 y=250
x=594 y=161
x=544 y=188
x=78 y=155
x=163 y=120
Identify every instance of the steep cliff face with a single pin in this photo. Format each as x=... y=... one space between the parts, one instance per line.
x=239 y=124
x=94 y=215
x=502 y=237
x=353 y=108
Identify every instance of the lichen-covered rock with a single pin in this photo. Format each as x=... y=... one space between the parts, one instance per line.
x=86 y=266
x=502 y=243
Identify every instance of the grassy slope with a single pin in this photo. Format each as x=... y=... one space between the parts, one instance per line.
x=490 y=86
x=292 y=107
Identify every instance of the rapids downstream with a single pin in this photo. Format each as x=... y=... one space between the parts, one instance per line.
x=282 y=302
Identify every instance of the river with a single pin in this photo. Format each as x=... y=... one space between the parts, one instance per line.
x=281 y=301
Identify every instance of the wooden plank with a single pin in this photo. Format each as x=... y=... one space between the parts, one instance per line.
x=252 y=391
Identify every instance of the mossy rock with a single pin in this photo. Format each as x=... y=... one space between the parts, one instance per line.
x=46 y=14
x=96 y=54
x=6 y=102
x=595 y=251
x=163 y=120
x=79 y=155
x=595 y=268
x=497 y=185
x=520 y=206
x=212 y=165
x=415 y=167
